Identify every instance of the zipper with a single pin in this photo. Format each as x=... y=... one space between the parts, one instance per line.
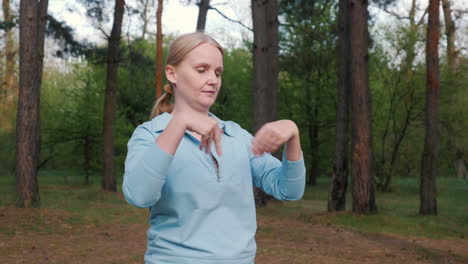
x=216 y=167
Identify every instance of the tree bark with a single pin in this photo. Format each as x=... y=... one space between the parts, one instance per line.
x=109 y=181
x=144 y=17
x=265 y=62
x=9 y=82
x=450 y=33
x=362 y=156
x=32 y=29
x=202 y=11
x=159 y=52
x=314 y=136
x=462 y=172
x=428 y=202
x=339 y=182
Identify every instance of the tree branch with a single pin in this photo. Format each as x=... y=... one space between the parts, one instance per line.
x=421 y=20
x=395 y=14
x=230 y=19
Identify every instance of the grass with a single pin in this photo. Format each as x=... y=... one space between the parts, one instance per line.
x=398 y=210
x=71 y=203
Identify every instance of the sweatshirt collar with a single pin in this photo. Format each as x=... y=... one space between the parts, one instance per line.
x=161 y=121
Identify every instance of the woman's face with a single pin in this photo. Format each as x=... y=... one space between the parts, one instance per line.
x=197 y=78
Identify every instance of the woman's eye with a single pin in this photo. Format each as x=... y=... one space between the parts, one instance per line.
x=200 y=70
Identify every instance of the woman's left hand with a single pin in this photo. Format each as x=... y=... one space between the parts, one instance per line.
x=273 y=135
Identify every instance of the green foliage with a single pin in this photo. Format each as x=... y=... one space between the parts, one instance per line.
x=136 y=85
x=308 y=76
x=72 y=119
x=398 y=102
x=7 y=151
x=398 y=86
x=453 y=117
x=235 y=100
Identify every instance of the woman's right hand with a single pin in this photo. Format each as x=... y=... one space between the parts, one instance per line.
x=207 y=127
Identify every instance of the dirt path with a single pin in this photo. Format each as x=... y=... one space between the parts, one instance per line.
x=45 y=236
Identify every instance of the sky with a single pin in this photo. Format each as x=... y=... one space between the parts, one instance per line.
x=178 y=18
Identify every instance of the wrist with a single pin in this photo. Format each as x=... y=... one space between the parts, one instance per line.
x=181 y=121
x=295 y=131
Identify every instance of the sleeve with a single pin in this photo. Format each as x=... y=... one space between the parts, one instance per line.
x=146 y=168
x=284 y=180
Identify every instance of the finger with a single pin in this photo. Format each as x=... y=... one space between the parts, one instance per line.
x=257 y=148
x=208 y=143
x=203 y=142
x=217 y=140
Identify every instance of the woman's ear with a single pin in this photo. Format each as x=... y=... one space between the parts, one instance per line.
x=170 y=74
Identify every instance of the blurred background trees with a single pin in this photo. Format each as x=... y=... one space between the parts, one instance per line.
x=312 y=65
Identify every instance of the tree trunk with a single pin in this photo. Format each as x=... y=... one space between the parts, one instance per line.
x=362 y=156
x=145 y=18
x=9 y=83
x=109 y=181
x=339 y=182
x=428 y=203
x=460 y=167
x=32 y=28
x=202 y=11
x=313 y=135
x=87 y=155
x=159 y=52
x=265 y=62
x=450 y=33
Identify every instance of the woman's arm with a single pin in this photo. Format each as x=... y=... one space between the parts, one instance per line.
x=273 y=135
x=148 y=159
x=285 y=180
x=146 y=168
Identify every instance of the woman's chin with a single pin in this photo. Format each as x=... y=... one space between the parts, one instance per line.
x=207 y=103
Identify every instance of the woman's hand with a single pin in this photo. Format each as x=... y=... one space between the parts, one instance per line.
x=203 y=125
x=273 y=135
x=207 y=127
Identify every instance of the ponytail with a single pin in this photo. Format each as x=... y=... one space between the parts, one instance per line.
x=163 y=104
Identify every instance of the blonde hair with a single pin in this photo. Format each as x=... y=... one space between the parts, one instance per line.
x=177 y=52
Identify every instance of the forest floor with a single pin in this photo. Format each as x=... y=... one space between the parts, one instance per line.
x=81 y=224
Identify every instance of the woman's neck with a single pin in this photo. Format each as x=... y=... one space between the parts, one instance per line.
x=187 y=110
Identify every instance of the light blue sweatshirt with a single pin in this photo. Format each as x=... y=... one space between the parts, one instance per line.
x=199 y=215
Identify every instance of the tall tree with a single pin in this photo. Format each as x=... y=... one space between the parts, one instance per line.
x=159 y=50
x=403 y=100
x=452 y=53
x=428 y=202
x=265 y=62
x=9 y=83
x=265 y=59
x=202 y=11
x=144 y=16
x=32 y=30
x=361 y=149
x=109 y=181
x=450 y=34
x=339 y=183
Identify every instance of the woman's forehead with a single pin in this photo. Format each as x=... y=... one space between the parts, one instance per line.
x=205 y=53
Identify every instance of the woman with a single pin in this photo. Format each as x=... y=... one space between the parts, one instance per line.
x=196 y=172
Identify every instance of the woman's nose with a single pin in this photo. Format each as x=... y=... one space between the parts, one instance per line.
x=212 y=78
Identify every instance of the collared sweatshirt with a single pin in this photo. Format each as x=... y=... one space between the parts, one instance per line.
x=201 y=213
